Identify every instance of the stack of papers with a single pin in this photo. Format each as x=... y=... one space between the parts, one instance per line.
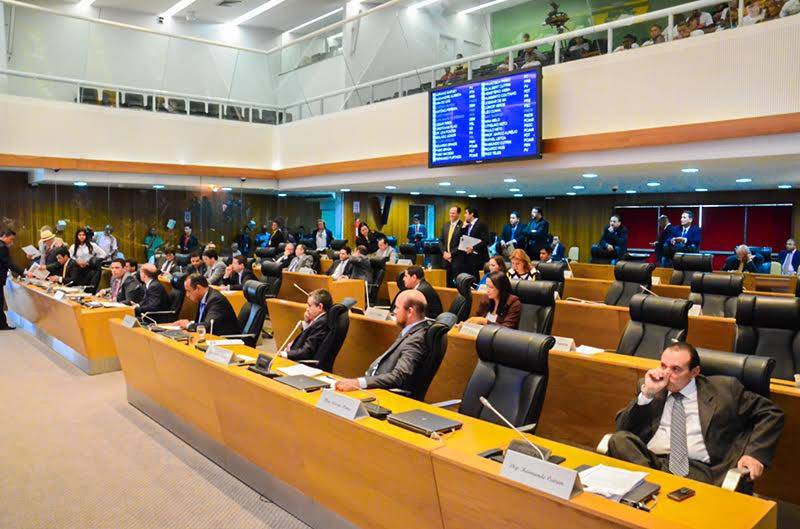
x=31 y=251
x=589 y=350
x=300 y=369
x=610 y=482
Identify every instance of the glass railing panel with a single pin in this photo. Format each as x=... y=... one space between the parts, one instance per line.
x=126 y=57
x=199 y=68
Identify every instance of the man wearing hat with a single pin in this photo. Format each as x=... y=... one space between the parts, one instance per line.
x=48 y=244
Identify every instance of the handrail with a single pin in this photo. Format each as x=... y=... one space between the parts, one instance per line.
x=145 y=91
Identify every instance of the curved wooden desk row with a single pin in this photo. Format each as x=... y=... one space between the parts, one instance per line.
x=343 y=288
x=79 y=334
x=334 y=473
x=603 y=383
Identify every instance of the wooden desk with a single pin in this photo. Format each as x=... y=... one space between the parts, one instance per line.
x=436 y=277
x=77 y=333
x=235 y=297
x=343 y=288
x=770 y=283
x=587 y=289
x=672 y=291
x=592 y=271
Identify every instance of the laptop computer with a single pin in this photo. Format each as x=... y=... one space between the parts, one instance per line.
x=302 y=382
x=424 y=422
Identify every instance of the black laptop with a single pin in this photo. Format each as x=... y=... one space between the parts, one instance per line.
x=424 y=422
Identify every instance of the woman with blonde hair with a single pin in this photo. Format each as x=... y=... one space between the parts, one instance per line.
x=520 y=265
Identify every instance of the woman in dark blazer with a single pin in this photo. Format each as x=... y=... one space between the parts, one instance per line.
x=367 y=239
x=499 y=306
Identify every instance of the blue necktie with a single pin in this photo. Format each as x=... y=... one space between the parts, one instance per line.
x=202 y=311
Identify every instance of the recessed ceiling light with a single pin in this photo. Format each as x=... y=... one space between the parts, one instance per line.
x=578 y=187
x=690 y=170
x=509 y=180
x=312 y=21
x=785 y=186
x=281 y=194
x=415 y=193
x=480 y=6
x=345 y=190
x=701 y=189
x=571 y=193
x=159 y=186
x=266 y=6
x=422 y=4
x=183 y=4
x=630 y=191
x=472 y=196
x=744 y=180
x=86 y=3
x=445 y=184
x=518 y=195
x=514 y=190
x=653 y=184
x=461 y=192
x=589 y=175
x=80 y=184
x=227 y=189
x=391 y=187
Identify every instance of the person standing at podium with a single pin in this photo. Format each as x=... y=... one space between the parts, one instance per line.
x=395 y=369
x=7 y=238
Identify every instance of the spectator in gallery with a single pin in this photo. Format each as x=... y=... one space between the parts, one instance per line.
x=530 y=59
x=578 y=48
x=505 y=66
x=628 y=43
x=753 y=13
x=656 y=36
x=187 y=242
x=521 y=59
x=152 y=242
x=262 y=237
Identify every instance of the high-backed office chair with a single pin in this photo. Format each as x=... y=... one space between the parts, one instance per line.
x=433 y=255
x=717 y=294
x=408 y=251
x=630 y=277
x=656 y=322
x=462 y=303
x=686 y=264
x=378 y=265
x=511 y=374
x=754 y=372
x=267 y=253
x=436 y=345
x=538 y=304
x=770 y=326
x=254 y=312
x=271 y=275
x=574 y=253
x=176 y=298
x=182 y=260
x=338 y=322
x=89 y=96
x=553 y=272
x=338 y=244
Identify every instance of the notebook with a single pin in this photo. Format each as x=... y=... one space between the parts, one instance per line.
x=423 y=422
x=303 y=383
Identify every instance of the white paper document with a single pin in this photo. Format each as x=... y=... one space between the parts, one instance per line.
x=300 y=369
x=610 y=482
x=39 y=273
x=589 y=350
x=31 y=251
x=468 y=242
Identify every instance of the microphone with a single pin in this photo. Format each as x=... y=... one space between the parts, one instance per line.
x=300 y=289
x=648 y=290
x=366 y=293
x=579 y=300
x=486 y=403
x=211 y=330
x=285 y=342
x=147 y=314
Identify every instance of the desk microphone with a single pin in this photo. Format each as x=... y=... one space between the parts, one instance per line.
x=300 y=289
x=296 y=325
x=366 y=293
x=147 y=314
x=486 y=403
x=211 y=330
x=648 y=290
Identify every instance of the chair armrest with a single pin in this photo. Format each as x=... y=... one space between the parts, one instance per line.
x=733 y=478
x=308 y=362
x=399 y=391
x=270 y=296
x=602 y=446
x=446 y=403
x=528 y=428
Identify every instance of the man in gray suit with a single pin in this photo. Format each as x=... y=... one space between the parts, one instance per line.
x=361 y=267
x=696 y=426
x=301 y=259
x=125 y=288
x=215 y=269
x=396 y=367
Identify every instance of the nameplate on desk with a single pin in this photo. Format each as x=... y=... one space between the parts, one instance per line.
x=341 y=405
x=541 y=475
x=404 y=262
x=228 y=341
x=567 y=274
x=470 y=329
x=130 y=322
x=59 y=295
x=219 y=355
x=564 y=344
x=696 y=310
x=375 y=313
x=655 y=280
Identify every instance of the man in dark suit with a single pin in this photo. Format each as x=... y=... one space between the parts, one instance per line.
x=196 y=265
x=451 y=234
x=155 y=295
x=343 y=267
x=361 y=268
x=685 y=238
x=557 y=253
x=188 y=242
x=789 y=259
x=124 y=288
x=288 y=255
x=696 y=426
x=68 y=271
x=414 y=279
x=212 y=306
x=512 y=236
x=166 y=263
x=476 y=256
x=741 y=261
x=237 y=274
x=664 y=234
x=315 y=327
x=7 y=238
x=537 y=233
x=277 y=236
x=417 y=232
x=396 y=367
x=613 y=243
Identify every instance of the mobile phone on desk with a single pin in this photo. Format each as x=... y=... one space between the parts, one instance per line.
x=681 y=494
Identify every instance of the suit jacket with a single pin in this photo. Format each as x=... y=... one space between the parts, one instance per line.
x=733 y=420
x=795 y=259
x=514 y=233
x=617 y=238
x=304 y=261
x=155 y=298
x=396 y=367
x=219 y=309
x=412 y=236
x=732 y=265
x=309 y=341
x=187 y=245
x=558 y=253
x=170 y=267
x=693 y=237
x=390 y=255
x=453 y=248
x=370 y=244
x=277 y=238
x=480 y=253
x=6 y=265
x=131 y=290
x=361 y=268
x=234 y=283
x=510 y=319
x=215 y=273
x=348 y=268
x=70 y=275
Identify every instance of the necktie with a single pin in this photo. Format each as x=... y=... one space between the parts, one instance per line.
x=450 y=235
x=684 y=232
x=469 y=230
x=678 y=452
x=201 y=311
x=117 y=284
x=416 y=229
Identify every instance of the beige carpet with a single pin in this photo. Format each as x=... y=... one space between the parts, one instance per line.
x=75 y=454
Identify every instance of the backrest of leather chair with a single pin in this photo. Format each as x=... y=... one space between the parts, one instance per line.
x=511 y=373
x=656 y=322
x=462 y=303
x=338 y=324
x=255 y=292
x=769 y=326
x=281 y=248
x=553 y=272
x=754 y=372
x=686 y=264
x=262 y=253
x=338 y=244
x=271 y=273
x=538 y=302
x=435 y=344
x=717 y=294
x=182 y=259
x=408 y=251
x=176 y=298
x=315 y=256
x=400 y=284
x=253 y=313
x=630 y=277
x=432 y=248
x=178 y=281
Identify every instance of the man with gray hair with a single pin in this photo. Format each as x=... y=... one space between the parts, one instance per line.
x=741 y=261
x=315 y=327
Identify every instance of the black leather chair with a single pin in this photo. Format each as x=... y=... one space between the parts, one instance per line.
x=378 y=265
x=176 y=298
x=656 y=322
x=462 y=303
x=433 y=255
x=271 y=275
x=254 y=312
x=717 y=294
x=630 y=277
x=511 y=374
x=264 y=253
x=338 y=324
x=317 y=263
x=338 y=244
x=408 y=251
x=182 y=260
x=538 y=304
x=686 y=264
x=754 y=372
x=770 y=326
x=436 y=345
x=553 y=272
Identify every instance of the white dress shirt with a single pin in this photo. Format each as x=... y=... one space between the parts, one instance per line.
x=82 y=253
x=786 y=266
x=362 y=381
x=659 y=444
x=321 y=240
x=339 y=270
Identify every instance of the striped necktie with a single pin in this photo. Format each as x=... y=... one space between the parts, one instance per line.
x=678 y=452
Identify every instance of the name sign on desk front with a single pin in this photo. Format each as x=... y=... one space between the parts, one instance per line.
x=58 y=296
x=342 y=405
x=470 y=329
x=541 y=475
x=130 y=322
x=219 y=355
x=564 y=344
x=377 y=314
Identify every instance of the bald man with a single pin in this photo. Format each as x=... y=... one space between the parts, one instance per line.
x=397 y=366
